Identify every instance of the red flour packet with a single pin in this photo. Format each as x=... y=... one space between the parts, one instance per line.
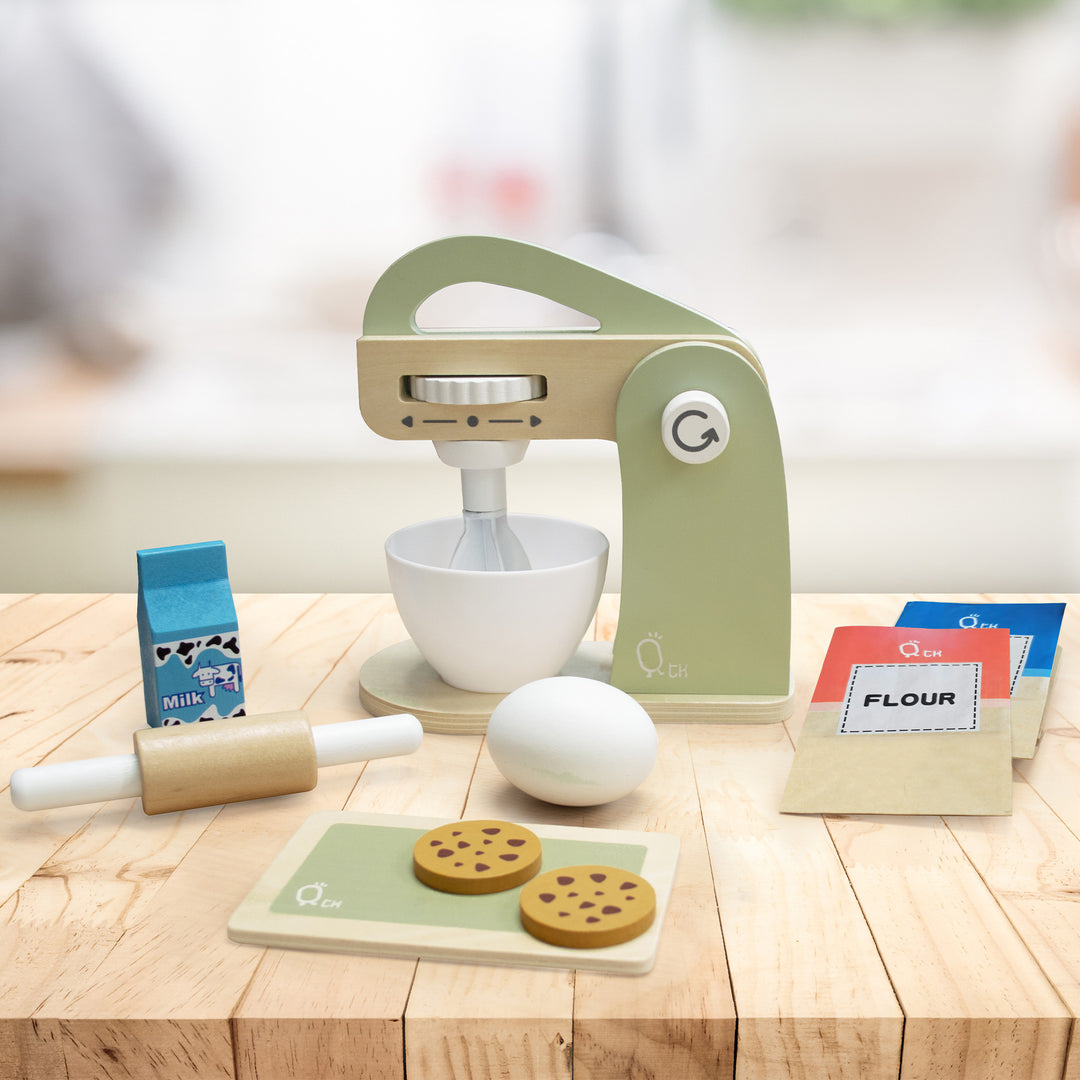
x=907 y=721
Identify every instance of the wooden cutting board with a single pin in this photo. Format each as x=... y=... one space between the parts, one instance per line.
x=345 y=883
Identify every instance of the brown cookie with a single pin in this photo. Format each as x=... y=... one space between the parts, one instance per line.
x=476 y=857
x=587 y=907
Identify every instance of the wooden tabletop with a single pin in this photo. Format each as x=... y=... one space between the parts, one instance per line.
x=794 y=946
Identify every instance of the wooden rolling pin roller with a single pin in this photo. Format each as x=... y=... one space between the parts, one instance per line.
x=221 y=761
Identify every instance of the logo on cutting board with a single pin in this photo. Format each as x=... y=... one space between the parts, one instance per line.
x=314 y=895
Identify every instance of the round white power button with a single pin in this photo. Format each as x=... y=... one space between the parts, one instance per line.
x=695 y=427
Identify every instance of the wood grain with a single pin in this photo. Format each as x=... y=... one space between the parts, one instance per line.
x=1032 y=865
x=26 y=614
x=584 y=376
x=465 y=1021
x=349 y=1001
x=975 y=1000
x=96 y=649
x=680 y=1016
x=323 y=1015
x=812 y=995
x=1048 y=901
x=794 y=946
x=123 y=975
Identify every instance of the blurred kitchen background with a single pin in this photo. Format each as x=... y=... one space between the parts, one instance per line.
x=883 y=196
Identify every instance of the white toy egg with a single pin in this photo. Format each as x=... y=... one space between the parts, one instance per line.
x=572 y=741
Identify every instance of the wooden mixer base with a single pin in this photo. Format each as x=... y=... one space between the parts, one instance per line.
x=399 y=679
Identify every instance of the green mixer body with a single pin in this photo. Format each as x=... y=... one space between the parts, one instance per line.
x=704 y=626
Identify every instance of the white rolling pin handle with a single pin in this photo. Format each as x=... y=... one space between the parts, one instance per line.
x=362 y=740
x=71 y=783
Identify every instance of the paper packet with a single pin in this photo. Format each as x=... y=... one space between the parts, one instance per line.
x=907 y=722
x=1033 y=639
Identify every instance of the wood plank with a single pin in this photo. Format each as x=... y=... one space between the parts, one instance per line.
x=812 y=996
x=296 y=659
x=29 y=840
x=481 y=1022
x=60 y=681
x=1017 y=1025
x=797 y=1014
x=112 y=934
x=1031 y=863
x=680 y=1017
x=26 y=614
x=55 y=704
x=1054 y=772
x=453 y=1012
x=55 y=641
x=1031 y=866
x=77 y=903
x=66 y=674
x=351 y=1006
x=78 y=907
x=180 y=916
x=622 y=1027
x=332 y=1015
x=98 y=721
x=975 y=1000
x=485 y=1022
x=30 y=962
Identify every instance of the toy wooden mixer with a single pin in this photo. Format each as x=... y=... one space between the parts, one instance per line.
x=704 y=617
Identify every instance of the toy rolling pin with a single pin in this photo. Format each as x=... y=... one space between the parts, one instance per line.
x=232 y=760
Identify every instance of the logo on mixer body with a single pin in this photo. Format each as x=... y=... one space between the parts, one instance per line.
x=650 y=658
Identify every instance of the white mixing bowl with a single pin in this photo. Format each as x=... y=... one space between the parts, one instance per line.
x=493 y=631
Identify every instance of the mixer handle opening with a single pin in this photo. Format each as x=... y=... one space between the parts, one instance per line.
x=617 y=305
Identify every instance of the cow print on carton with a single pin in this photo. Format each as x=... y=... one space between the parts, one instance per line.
x=186 y=650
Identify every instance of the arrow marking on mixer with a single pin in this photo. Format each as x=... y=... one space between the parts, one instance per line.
x=708 y=436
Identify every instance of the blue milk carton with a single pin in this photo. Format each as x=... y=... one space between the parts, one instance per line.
x=188 y=635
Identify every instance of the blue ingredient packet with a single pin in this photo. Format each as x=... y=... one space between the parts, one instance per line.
x=188 y=635
x=1034 y=629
